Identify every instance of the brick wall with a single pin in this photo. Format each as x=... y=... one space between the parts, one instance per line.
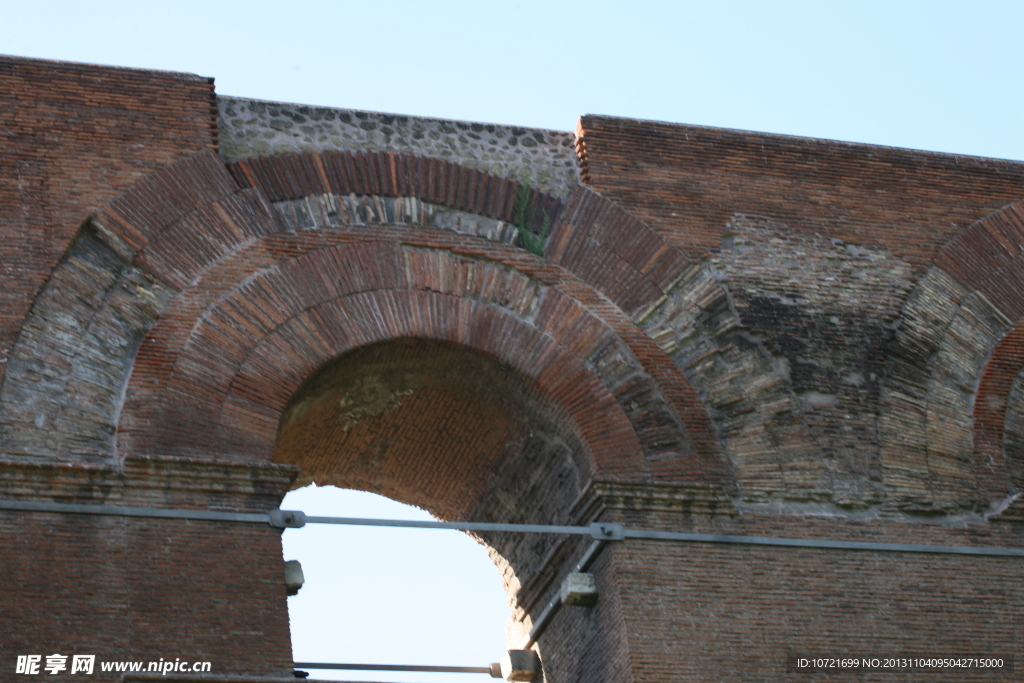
x=687 y=181
x=75 y=135
x=144 y=589
x=817 y=374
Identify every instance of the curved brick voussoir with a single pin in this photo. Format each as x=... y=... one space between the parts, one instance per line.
x=614 y=252
x=67 y=372
x=231 y=402
x=988 y=260
x=945 y=397
x=999 y=419
x=989 y=257
x=182 y=251
x=945 y=335
x=135 y=216
x=591 y=237
x=388 y=174
x=296 y=294
x=252 y=292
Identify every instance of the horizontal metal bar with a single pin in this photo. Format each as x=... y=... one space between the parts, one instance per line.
x=396 y=667
x=821 y=543
x=460 y=526
x=599 y=531
x=119 y=511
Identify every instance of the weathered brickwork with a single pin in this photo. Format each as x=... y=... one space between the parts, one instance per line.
x=136 y=589
x=756 y=415
x=255 y=128
x=686 y=182
x=1014 y=431
x=66 y=375
x=936 y=360
x=75 y=136
x=724 y=332
x=823 y=310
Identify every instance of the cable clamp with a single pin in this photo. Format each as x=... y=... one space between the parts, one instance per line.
x=607 y=531
x=287 y=519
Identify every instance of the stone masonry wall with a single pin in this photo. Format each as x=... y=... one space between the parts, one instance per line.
x=249 y=128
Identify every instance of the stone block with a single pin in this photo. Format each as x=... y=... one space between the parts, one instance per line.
x=520 y=665
x=579 y=589
x=293 y=577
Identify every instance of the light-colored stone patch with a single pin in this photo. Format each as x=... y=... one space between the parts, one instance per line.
x=546 y=158
x=322 y=211
x=782 y=334
x=67 y=373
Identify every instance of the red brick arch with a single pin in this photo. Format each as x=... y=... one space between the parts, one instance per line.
x=187 y=227
x=198 y=235
x=250 y=353
x=951 y=367
x=990 y=408
x=989 y=258
x=591 y=237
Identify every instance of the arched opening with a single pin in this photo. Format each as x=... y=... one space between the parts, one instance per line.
x=450 y=430
x=390 y=595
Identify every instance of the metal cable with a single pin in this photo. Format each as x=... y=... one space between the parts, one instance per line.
x=602 y=531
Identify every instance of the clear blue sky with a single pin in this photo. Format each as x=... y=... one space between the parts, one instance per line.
x=934 y=75
x=931 y=75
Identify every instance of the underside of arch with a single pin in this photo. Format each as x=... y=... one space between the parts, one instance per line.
x=190 y=236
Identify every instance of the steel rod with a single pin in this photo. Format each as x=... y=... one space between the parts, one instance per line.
x=460 y=526
x=120 y=511
x=822 y=543
x=395 y=667
x=599 y=531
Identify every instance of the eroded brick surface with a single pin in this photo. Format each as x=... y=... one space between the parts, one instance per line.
x=1014 y=433
x=725 y=332
x=67 y=374
x=76 y=136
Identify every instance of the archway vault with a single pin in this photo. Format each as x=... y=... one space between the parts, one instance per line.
x=182 y=321
x=206 y=311
x=193 y=319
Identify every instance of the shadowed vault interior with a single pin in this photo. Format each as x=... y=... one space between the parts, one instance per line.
x=445 y=428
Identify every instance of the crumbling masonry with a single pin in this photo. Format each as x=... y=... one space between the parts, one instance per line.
x=207 y=300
